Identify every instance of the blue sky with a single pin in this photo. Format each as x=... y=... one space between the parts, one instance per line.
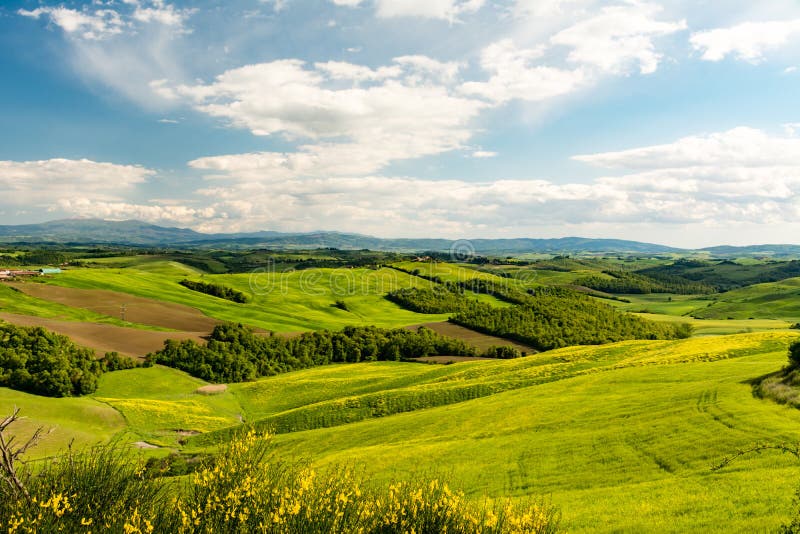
x=672 y=122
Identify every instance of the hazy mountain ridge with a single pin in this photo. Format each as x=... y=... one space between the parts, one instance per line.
x=137 y=233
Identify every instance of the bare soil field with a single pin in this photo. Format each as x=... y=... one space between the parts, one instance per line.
x=451 y=359
x=104 y=337
x=137 y=309
x=476 y=339
x=212 y=389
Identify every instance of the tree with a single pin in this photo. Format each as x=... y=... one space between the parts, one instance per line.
x=794 y=354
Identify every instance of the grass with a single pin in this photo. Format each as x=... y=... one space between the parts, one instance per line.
x=83 y=421
x=628 y=450
x=620 y=436
x=161 y=406
x=16 y=302
x=775 y=300
x=283 y=302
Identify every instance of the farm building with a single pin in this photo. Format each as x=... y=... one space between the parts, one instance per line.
x=9 y=274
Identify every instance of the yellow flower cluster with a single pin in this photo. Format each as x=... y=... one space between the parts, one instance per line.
x=246 y=490
x=137 y=524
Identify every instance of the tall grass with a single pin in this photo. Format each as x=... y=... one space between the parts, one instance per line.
x=246 y=488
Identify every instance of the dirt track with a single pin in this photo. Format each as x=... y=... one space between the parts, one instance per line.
x=104 y=337
x=137 y=309
x=471 y=337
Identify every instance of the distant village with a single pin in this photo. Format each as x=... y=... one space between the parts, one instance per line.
x=11 y=274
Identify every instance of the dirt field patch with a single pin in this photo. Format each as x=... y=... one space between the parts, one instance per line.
x=476 y=339
x=136 y=309
x=104 y=337
x=212 y=389
x=451 y=359
x=144 y=445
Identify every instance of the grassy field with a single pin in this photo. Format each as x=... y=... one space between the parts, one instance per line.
x=775 y=300
x=626 y=450
x=12 y=301
x=620 y=436
x=281 y=301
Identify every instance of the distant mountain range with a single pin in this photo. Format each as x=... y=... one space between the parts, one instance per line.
x=140 y=234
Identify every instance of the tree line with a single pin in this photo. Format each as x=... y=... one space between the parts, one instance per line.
x=545 y=318
x=634 y=283
x=37 y=361
x=235 y=353
x=215 y=290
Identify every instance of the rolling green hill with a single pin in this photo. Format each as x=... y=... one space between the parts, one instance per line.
x=620 y=436
x=774 y=300
x=281 y=301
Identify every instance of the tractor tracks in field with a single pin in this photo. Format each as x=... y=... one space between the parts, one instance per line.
x=707 y=404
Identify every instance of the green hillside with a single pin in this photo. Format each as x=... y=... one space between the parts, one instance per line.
x=281 y=301
x=620 y=436
x=774 y=300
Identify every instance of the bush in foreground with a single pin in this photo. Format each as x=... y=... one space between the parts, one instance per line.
x=245 y=488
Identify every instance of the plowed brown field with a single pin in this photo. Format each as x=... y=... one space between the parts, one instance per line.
x=137 y=309
x=476 y=339
x=104 y=337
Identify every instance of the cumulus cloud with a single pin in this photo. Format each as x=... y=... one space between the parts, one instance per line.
x=103 y=22
x=433 y=9
x=358 y=118
x=154 y=213
x=741 y=175
x=748 y=41
x=541 y=8
x=482 y=154
x=617 y=38
x=41 y=183
x=738 y=147
x=515 y=75
x=123 y=48
x=91 y=25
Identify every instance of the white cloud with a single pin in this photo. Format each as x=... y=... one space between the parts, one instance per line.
x=724 y=178
x=342 y=70
x=102 y=23
x=360 y=119
x=160 y=12
x=515 y=76
x=96 y=25
x=433 y=9
x=748 y=41
x=740 y=176
x=277 y=5
x=617 y=38
x=124 y=48
x=40 y=183
x=483 y=154
x=348 y=3
x=543 y=8
x=154 y=213
x=740 y=147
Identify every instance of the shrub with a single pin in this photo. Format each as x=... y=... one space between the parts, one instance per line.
x=244 y=489
x=794 y=354
x=216 y=291
x=37 y=361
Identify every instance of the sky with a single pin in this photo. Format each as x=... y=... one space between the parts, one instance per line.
x=668 y=122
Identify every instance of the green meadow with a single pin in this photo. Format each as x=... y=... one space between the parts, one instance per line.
x=281 y=301
x=621 y=437
x=774 y=300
